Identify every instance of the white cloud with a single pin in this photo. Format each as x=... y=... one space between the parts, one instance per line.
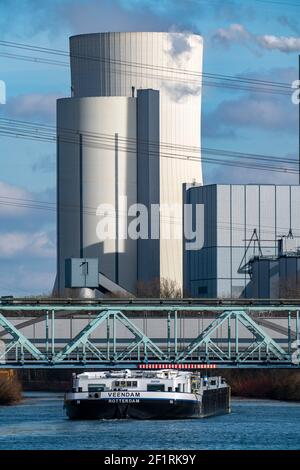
x=39 y=281
x=223 y=174
x=10 y=199
x=270 y=113
x=28 y=17
x=238 y=34
x=24 y=279
x=234 y=33
x=178 y=92
x=25 y=211
x=278 y=74
x=280 y=43
x=46 y=164
x=27 y=244
x=179 y=43
x=87 y=16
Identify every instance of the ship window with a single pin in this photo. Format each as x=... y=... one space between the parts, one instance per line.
x=117 y=383
x=155 y=388
x=123 y=383
x=131 y=384
x=212 y=382
x=169 y=389
x=96 y=387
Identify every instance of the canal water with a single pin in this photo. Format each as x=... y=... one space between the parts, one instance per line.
x=39 y=423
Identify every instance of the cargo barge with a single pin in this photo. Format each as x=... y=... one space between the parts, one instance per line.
x=164 y=394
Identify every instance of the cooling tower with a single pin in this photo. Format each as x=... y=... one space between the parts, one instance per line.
x=107 y=70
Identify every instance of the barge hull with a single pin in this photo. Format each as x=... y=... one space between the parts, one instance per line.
x=214 y=402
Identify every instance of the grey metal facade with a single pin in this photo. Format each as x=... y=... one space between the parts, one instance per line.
x=240 y=221
x=274 y=278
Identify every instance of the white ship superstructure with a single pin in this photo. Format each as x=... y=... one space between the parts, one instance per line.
x=164 y=394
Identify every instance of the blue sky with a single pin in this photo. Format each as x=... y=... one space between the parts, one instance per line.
x=252 y=38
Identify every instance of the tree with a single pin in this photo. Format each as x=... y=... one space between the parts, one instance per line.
x=158 y=288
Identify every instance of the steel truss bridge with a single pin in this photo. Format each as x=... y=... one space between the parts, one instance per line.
x=66 y=333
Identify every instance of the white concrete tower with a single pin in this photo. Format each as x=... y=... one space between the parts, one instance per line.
x=117 y=65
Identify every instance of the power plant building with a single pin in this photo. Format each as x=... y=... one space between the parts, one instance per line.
x=130 y=133
x=275 y=277
x=243 y=225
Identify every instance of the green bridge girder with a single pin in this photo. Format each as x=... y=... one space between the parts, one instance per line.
x=260 y=350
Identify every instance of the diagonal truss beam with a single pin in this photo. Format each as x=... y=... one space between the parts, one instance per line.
x=94 y=350
x=82 y=338
x=126 y=353
x=261 y=338
x=140 y=337
x=260 y=335
x=205 y=336
x=253 y=347
x=19 y=340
